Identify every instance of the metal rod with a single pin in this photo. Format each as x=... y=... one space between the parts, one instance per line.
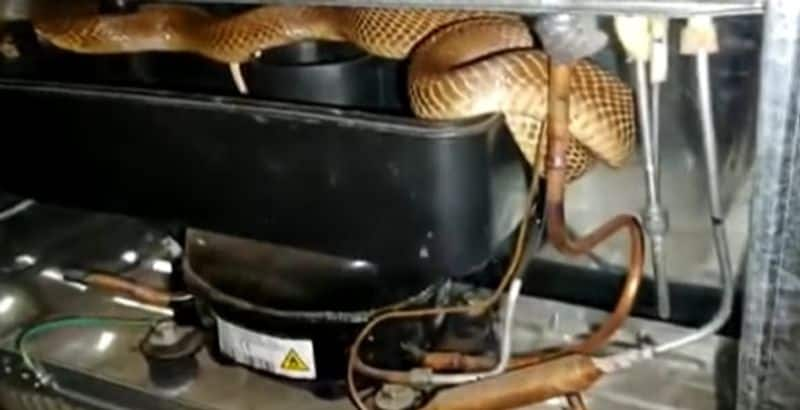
x=726 y=305
x=709 y=135
x=655 y=108
x=671 y=8
x=626 y=359
x=654 y=215
x=717 y=216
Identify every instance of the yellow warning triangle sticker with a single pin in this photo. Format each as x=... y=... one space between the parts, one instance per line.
x=293 y=362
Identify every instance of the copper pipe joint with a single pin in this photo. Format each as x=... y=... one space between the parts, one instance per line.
x=559 y=377
x=441 y=361
x=138 y=292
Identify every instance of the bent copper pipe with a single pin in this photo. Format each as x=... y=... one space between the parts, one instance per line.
x=557 y=232
x=568 y=375
x=558 y=374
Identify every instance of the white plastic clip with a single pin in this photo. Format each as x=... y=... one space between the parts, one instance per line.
x=634 y=34
x=659 y=55
x=700 y=34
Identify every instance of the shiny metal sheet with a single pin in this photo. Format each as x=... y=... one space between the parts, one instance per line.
x=770 y=355
x=686 y=379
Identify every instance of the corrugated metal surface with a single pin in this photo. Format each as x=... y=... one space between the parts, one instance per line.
x=770 y=354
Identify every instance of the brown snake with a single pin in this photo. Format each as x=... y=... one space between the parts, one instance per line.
x=462 y=63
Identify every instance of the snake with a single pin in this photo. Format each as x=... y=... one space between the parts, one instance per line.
x=461 y=63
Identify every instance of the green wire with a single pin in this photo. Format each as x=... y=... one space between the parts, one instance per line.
x=76 y=321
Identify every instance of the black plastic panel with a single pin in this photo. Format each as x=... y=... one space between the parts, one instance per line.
x=417 y=199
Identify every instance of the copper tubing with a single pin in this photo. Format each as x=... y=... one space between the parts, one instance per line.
x=138 y=292
x=445 y=361
x=404 y=377
x=558 y=235
x=543 y=381
x=454 y=361
x=564 y=376
x=558 y=142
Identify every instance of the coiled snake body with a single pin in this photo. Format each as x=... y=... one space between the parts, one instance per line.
x=462 y=63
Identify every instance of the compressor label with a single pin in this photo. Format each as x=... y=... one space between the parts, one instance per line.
x=286 y=357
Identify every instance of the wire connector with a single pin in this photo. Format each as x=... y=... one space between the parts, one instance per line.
x=659 y=53
x=699 y=35
x=634 y=34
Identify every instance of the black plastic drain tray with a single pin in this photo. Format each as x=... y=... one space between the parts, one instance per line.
x=417 y=200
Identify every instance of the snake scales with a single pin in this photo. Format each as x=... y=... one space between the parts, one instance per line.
x=462 y=63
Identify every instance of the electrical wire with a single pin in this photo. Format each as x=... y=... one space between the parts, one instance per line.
x=558 y=141
x=71 y=321
x=717 y=216
x=404 y=377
